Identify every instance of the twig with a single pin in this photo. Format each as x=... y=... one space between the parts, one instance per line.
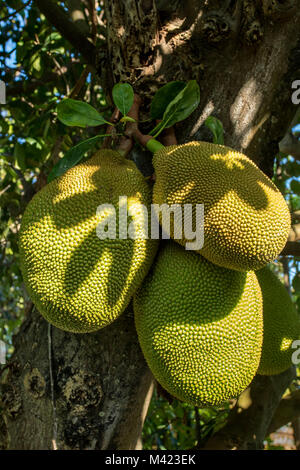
x=57 y=64
x=5 y=189
x=80 y=82
x=126 y=142
x=70 y=31
x=198 y=425
x=93 y=15
x=114 y=119
x=16 y=11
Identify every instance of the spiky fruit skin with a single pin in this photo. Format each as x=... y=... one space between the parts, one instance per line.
x=247 y=220
x=200 y=326
x=281 y=324
x=79 y=282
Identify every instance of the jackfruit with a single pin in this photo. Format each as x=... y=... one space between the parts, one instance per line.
x=79 y=282
x=200 y=326
x=246 y=219
x=281 y=324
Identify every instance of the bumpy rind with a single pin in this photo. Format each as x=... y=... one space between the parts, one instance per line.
x=247 y=220
x=78 y=282
x=200 y=326
x=281 y=324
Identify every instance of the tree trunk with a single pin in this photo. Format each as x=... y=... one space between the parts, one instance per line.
x=75 y=391
x=245 y=56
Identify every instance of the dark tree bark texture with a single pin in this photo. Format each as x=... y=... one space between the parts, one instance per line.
x=245 y=56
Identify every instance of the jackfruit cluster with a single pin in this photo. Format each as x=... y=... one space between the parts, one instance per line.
x=200 y=316
x=246 y=219
x=205 y=321
x=79 y=282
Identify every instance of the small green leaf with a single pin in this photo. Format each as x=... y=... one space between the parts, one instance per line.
x=123 y=96
x=295 y=186
x=4 y=126
x=163 y=97
x=296 y=283
x=127 y=119
x=180 y=107
x=36 y=64
x=72 y=157
x=54 y=43
x=294 y=202
x=216 y=127
x=77 y=113
x=52 y=38
x=19 y=155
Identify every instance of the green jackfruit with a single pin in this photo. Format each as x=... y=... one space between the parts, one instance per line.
x=247 y=220
x=79 y=282
x=200 y=326
x=281 y=324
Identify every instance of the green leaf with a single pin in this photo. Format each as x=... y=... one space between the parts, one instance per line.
x=4 y=126
x=77 y=113
x=19 y=155
x=54 y=43
x=291 y=169
x=180 y=107
x=52 y=38
x=296 y=283
x=295 y=186
x=294 y=202
x=127 y=119
x=123 y=96
x=216 y=127
x=163 y=97
x=36 y=64
x=72 y=157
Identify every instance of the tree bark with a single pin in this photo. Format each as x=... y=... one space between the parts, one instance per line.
x=75 y=391
x=245 y=56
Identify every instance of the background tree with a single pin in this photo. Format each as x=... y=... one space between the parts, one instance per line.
x=66 y=391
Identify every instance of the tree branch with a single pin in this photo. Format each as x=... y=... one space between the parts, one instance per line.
x=77 y=15
x=294 y=234
x=288 y=409
x=249 y=421
x=296 y=215
x=69 y=30
x=296 y=429
x=30 y=85
x=290 y=144
x=5 y=18
x=291 y=249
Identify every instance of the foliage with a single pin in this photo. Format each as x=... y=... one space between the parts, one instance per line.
x=78 y=113
x=41 y=69
x=180 y=426
x=216 y=127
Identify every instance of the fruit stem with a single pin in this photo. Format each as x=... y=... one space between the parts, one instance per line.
x=153 y=145
x=110 y=129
